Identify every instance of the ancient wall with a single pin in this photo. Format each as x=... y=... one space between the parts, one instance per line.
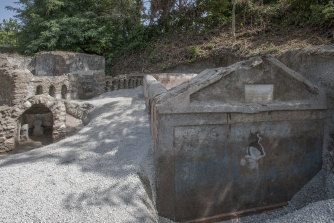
x=41 y=98
x=211 y=143
x=7 y=129
x=85 y=72
x=63 y=75
x=6 y=88
x=53 y=86
x=85 y=86
x=11 y=118
x=317 y=64
x=19 y=85
x=17 y=61
x=57 y=63
x=122 y=82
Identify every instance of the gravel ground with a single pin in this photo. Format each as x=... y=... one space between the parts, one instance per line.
x=92 y=176
x=102 y=174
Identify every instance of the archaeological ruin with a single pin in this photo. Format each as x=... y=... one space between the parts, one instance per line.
x=236 y=140
x=36 y=94
x=228 y=141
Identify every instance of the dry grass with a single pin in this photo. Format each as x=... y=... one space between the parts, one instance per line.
x=174 y=49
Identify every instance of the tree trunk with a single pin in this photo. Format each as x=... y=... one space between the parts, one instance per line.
x=233 y=19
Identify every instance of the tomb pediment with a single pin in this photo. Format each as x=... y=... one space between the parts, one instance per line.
x=260 y=83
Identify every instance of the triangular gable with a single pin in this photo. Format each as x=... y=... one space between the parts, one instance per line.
x=255 y=82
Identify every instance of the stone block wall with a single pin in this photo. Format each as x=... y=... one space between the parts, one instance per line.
x=46 y=84
x=10 y=119
x=6 y=88
x=7 y=129
x=19 y=85
x=85 y=86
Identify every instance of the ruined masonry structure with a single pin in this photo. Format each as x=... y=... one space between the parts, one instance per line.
x=234 y=140
x=35 y=94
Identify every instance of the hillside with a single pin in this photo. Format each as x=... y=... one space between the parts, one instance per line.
x=173 y=51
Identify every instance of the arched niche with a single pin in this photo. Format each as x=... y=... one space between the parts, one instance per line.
x=64 y=92
x=41 y=104
x=35 y=127
x=39 y=90
x=52 y=91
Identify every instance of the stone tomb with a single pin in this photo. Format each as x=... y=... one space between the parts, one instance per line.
x=235 y=140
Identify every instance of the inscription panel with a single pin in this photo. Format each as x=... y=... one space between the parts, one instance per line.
x=259 y=92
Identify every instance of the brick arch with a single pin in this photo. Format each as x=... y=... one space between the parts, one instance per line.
x=57 y=109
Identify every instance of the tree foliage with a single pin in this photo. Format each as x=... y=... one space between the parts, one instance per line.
x=104 y=27
x=8 y=32
x=112 y=27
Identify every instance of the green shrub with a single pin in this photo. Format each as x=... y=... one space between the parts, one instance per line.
x=210 y=46
x=193 y=53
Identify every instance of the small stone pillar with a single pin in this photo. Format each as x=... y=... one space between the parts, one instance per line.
x=126 y=84
x=24 y=132
x=38 y=129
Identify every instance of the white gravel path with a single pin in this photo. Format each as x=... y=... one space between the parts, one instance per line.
x=93 y=176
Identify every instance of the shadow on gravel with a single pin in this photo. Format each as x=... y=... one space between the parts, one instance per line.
x=112 y=145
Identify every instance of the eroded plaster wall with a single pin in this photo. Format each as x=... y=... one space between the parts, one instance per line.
x=246 y=160
x=57 y=63
x=86 y=85
x=211 y=143
x=6 y=88
x=317 y=64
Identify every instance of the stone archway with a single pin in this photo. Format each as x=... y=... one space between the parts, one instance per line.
x=14 y=120
x=35 y=128
x=45 y=104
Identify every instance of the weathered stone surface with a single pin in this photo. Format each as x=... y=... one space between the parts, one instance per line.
x=11 y=123
x=317 y=65
x=170 y=80
x=211 y=141
x=152 y=88
x=43 y=84
x=122 y=82
x=58 y=63
x=79 y=111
